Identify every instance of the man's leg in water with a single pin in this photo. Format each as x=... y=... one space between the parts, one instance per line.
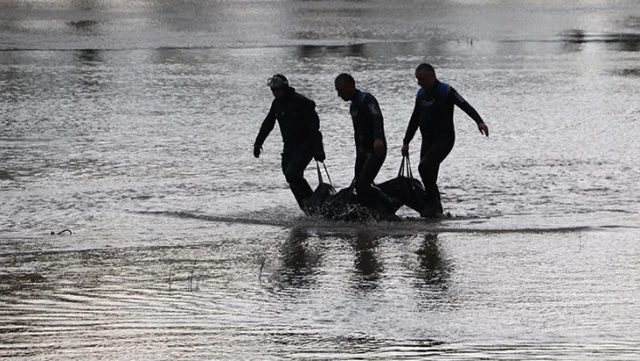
x=432 y=154
x=294 y=162
x=369 y=195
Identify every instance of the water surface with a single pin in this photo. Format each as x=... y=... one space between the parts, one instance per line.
x=132 y=123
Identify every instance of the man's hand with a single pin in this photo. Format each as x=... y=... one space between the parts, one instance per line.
x=319 y=157
x=405 y=150
x=256 y=151
x=484 y=129
x=379 y=148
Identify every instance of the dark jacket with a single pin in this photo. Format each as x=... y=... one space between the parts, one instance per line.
x=433 y=113
x=368 y=123
x=298 y=121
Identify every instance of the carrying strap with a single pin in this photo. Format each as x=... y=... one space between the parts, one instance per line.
x=401 y=170
x=320 y=173
x=405 y=167
x=352 y=186
x=409 y=172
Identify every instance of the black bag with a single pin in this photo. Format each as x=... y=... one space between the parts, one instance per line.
x=405 y=188
x=344 y=206
x=322 y=193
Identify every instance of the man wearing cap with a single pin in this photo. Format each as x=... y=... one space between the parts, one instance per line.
x=300 y=128
x=371 y=145
x=433 y=114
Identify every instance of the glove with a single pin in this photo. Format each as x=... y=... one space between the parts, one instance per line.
x=256 y=151
x=319 y=157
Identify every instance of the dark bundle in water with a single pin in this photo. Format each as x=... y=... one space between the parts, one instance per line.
x=344 y=206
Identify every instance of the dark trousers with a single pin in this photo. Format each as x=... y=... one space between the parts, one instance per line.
x=294 y=161
x=432 y=153
x=367 y=167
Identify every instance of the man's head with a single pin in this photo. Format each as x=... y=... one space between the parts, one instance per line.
x=278 y=84
x=345 y=86
x=426 y=75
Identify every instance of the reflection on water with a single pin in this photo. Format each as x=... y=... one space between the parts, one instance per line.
x=298 y=259
x=88 y=27
x=13 y=282
x=89 y=56
x=464 y=297
x=368 y=267
x=632 y=72
x=434 y=269
x=614 y=41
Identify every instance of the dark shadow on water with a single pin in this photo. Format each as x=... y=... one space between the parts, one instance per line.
x=433 y=269
x=20 y=281
x=613 y=41
x=378 y=50
x=87 y=27
x=433 y=275
x=4 y=175
x=630 y=72
x=367 y=265
x=298 y=259
x=89 y=57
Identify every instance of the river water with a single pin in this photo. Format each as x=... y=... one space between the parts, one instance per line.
x=131 y=124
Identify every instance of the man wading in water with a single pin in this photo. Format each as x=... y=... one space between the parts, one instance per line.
x=371 y=145
x=300 y=128
x=433 y=113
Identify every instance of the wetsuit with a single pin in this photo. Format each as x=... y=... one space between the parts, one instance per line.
x=433 y=113
x=368 y=125
x=300 y=128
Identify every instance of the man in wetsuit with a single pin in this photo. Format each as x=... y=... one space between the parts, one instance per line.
x=371 y=145
x=300 y=128
x=433 y=114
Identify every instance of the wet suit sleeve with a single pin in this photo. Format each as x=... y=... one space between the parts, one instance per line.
x=465 y=106
x=373 y=108
x=267 y=126
x=360 y=153
x=313 y=122
x=356 y=138
x=414 y=122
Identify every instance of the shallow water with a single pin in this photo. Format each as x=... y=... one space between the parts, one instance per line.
x=316 y=293
x=131 y=124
